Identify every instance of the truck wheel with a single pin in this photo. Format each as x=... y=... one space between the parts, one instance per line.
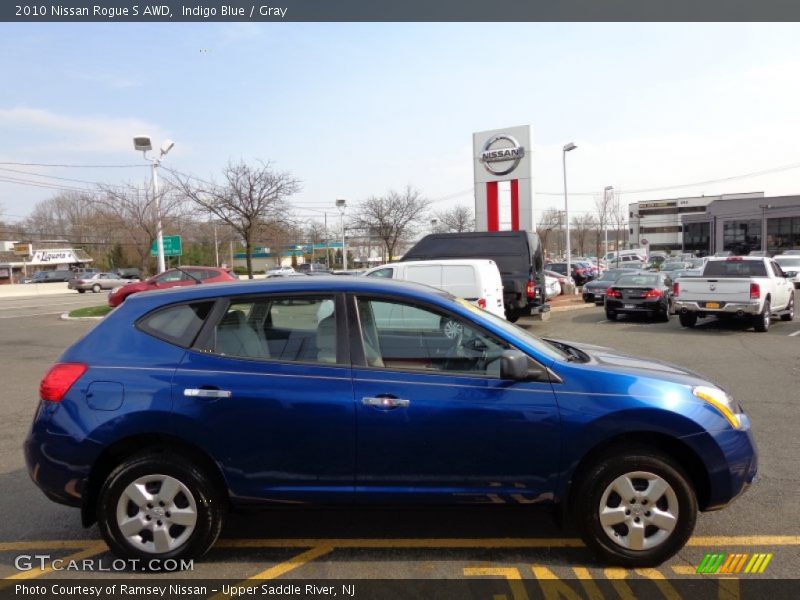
x=635 y=508
x=761 y=322
x=789 y=314
x=688 y=319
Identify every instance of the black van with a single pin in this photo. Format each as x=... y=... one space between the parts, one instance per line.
x=518 y=255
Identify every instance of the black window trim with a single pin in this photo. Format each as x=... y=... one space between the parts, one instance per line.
x=204 y=341
x=359 y=358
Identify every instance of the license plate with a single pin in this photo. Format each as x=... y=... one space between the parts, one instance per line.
x=628 y=306
x=712 y=304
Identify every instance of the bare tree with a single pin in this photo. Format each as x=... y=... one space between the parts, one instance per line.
x=604 y=206
x=458 y=219
x=549 y=221
x=129 y=214
x=251 y=200
x=391 y=218
x=618 y=215
x=582 y=226
x=67 y=215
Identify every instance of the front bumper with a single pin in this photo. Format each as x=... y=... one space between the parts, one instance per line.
x=750 y=308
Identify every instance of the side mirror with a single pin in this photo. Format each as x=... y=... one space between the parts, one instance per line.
x=516 y=366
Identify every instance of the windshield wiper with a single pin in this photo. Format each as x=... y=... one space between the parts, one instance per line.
x=197 y=279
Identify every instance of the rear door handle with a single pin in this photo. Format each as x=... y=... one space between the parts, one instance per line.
x=205 y=393
x=385 y=402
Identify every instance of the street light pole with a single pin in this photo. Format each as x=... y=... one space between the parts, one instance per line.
x=341 y=205
x=567 y=148
x=143 y=143
x=609 y=191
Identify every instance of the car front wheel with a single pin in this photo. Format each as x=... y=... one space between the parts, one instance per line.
x=159 y=506
x=635 y=509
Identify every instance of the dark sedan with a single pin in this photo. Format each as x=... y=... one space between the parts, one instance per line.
x=640 y=293
x=580 y=274
x=595 y=290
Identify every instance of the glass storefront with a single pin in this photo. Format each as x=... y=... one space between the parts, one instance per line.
x=783 y=234
x=697 y=237
x=741 y=237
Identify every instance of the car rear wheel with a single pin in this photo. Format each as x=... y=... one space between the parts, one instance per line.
x=635 y=509
x=687 y=319
x=761 y=322
x=81 y=291
x=789 y=314
x=158 y=506
x=611 y=315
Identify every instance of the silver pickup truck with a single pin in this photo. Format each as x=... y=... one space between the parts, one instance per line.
x=736 y=286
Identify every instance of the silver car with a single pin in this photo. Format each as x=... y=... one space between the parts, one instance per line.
x=97 y=282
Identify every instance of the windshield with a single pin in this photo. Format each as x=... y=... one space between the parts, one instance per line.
x=788 y=261
x=516 y=331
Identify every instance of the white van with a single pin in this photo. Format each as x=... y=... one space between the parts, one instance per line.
x=477 y=281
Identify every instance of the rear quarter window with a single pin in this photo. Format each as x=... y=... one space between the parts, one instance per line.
x=178 y=324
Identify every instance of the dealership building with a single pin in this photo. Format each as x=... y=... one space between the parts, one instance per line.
x=739 y=223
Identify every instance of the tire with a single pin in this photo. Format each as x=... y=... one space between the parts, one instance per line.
x=148 y=473
x=81 y=291
x=687 y=319
x=641 y=470
x=96 y=288
x=789 y=314
x=611 y=315
x=664 y=315
x=761 y=321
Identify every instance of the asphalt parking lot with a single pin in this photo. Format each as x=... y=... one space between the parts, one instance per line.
x=505 y=541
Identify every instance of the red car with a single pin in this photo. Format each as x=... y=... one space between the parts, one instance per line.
x=172 y=278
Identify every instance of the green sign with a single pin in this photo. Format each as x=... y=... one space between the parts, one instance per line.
x=172 y=246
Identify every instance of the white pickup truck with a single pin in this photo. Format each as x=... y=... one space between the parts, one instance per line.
x=741 y=286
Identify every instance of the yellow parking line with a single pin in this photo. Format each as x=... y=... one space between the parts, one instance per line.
x=93 y=549
x=45 y=544
x=283 y=568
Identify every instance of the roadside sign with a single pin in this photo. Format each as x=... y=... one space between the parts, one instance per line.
x=23 y=249
x=172 y=246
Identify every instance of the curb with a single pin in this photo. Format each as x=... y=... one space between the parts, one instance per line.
x=572 y=307
x=66 y=317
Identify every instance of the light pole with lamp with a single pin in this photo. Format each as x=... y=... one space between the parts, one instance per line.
x=567 y=148
x=341 y=204
x=142 y=142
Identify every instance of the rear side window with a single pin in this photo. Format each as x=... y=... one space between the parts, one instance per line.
x=177 y=325
x=735 y=268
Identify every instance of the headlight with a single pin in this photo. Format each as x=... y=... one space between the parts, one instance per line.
x=721 y=401
x=115 y=290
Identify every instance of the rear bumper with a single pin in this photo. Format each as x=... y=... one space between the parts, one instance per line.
x=750 y=308
x=634 y=306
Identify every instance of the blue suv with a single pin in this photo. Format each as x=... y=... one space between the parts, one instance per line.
x=184 y=404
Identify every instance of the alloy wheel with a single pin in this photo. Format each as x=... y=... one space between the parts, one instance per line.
x=638 y=510
x=156 y=513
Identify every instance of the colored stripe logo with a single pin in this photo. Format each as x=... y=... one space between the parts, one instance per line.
x=721 y=563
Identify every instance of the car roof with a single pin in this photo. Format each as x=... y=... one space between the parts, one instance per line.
x=342 y=283
x=443 y=261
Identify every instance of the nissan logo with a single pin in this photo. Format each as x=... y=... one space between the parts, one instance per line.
x=500 y=158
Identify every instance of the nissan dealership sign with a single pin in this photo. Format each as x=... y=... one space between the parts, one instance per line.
x=501 y=154
x=503 y=184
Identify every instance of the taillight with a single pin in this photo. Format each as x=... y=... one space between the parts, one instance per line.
x=530 y=290
x=676 y=288
x=653 y=294
x=482 y=303
x=612 y=293
x=755 y=291
x=59 y=379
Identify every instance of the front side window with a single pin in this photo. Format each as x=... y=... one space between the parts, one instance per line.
x=295 y=329
x=398 y=335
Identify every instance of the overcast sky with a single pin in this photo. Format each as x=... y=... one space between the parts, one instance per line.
x=357 y=109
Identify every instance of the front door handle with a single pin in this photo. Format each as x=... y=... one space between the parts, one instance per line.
x=206 y=393
x=385 y=402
